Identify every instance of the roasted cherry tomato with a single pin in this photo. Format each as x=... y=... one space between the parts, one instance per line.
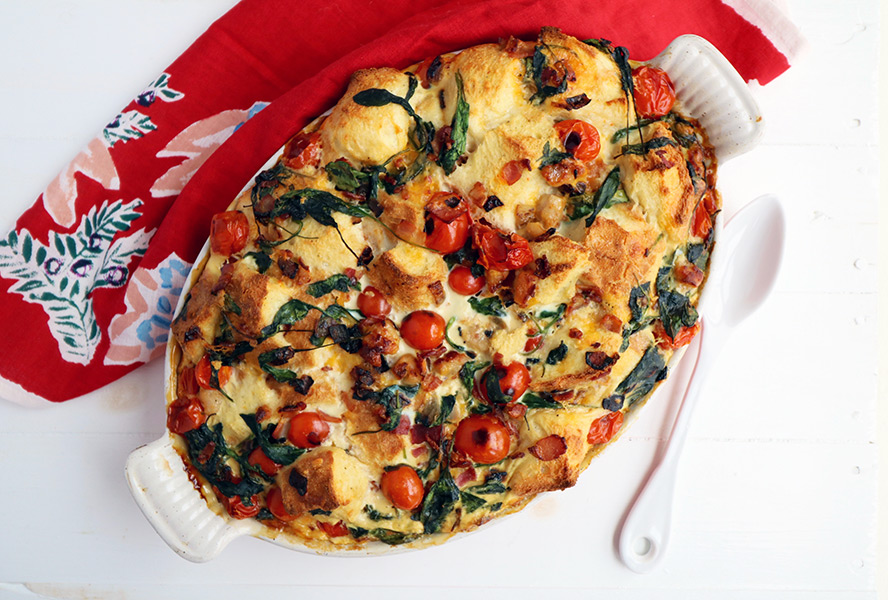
x=185 y=414
x=447 y=222
x=463 y=282
x=654 y=93
x=238 y=509
x=203 y=373
x=403 y=487
x=500 y=251
x=372 y=303
x=258 y=458
x=483 y=438
x=702 y=222
x=682 y=338
x=337 y=529
x=274 y=500
x=423 y=329
x=304 y=150
x=604 y=428
x=447 y=237
x=513 y=380
x=228 y=232
x=579 y=138
x=307 y=430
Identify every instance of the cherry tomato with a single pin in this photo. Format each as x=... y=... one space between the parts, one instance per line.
x=307 y=430
x=185 y=414
x=372 y=303
x=258 y=458
x=188 y=382
x=403 y=487
x=702 y=222
x=682 y=338
x=237 y=509
x=337 y=529
x=654 y=93
x=304 y=150
x=423 y=329
x=483 y=438
x=604 y=428
x=463 y=282
x=513 y=380
x=203 y=373
x=500 y=251
x=447 y=222
x=447 y=237
x=274 y=500
x=228 y=232
x=579 y=138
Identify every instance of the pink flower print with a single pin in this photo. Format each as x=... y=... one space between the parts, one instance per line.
x=140 y=333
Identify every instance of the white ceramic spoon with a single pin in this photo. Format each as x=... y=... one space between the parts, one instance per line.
x=748 y=257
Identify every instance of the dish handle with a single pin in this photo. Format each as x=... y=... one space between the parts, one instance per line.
x=711 y=90
x=161 y=488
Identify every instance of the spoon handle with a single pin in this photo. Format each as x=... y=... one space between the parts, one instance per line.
x=645 y=532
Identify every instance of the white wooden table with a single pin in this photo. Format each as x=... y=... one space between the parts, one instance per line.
x=777 y=490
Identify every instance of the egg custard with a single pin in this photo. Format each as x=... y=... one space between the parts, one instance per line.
x=444 y=296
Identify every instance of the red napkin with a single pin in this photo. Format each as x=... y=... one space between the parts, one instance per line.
x=91 y=273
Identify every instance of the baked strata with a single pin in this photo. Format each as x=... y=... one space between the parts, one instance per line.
x=445 y=295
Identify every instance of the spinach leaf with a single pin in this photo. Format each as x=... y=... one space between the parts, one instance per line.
x=453 y=344
x=537 y=66
x=338 y=282
x=263 y=261
x=488 y=488
x=214 y=468
x=491 y=306
x=698 y=254
x=424 y=131
x=321 y=205
x=357 y=532
x=375 y=515
x=557 y=355
x=392 y=538
x=542 y=400
x=265 y=206
x=584 y=206
x=471 y=502
x=439 y=501
x=279 y=356
x=467 y=373
x=639 y=303
x=392 y=399
x=551 y=157
x=281 y=453
x=491 y=382
x=229 y=354
x=468 y=256
x=449 y=157
x=447 y=404
x=639 y=382
x=644 y=147
x=292 y=311
x=229 y=305
x=344 y=176
x=619 y=134
x=676 y=310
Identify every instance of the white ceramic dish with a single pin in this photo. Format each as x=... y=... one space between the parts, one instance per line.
x=708 y=88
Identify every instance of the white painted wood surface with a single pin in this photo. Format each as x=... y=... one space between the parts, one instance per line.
x=777 y=490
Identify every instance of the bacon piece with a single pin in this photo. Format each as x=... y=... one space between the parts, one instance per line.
x=689 y=274
x=512 y=170
x=612 y=323
x=466 y=476
x=549 y=448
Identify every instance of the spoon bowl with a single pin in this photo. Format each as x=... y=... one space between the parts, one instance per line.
x=748 y=258
x=744 y=268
